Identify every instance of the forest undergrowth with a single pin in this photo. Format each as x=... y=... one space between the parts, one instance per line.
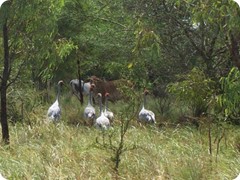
x=71 y=149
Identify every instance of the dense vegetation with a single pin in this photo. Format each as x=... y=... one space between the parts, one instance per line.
x=185 y=52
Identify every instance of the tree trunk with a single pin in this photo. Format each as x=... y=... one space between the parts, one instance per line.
x=4 y=122
x=235 y=50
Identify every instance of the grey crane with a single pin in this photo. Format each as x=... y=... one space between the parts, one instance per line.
x=89 y=111
x=146 y=115
x=74 y=83
x=54 y=111
x=102 y=121
x=107 y=113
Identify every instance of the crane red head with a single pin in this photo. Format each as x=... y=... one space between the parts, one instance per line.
x=92 y=87
x=107 y=94
x=145 y=92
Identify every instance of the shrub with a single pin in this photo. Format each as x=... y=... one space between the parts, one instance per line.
x=229 y=99
x=195 y=89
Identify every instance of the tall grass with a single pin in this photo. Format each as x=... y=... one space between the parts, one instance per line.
x=68 y=150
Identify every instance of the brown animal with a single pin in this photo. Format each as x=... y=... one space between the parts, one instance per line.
x=111 y=87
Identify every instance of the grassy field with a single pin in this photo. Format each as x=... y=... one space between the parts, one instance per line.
x=72 y=150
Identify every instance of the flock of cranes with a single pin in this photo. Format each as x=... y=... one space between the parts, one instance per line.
x=105 y=118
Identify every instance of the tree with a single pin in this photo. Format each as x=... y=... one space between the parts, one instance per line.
x=4 y=78
x=102 y=32
x=31 y=47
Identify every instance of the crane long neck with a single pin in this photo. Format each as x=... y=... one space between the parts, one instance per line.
x=144 y=100
x=100 y=104
x=58 y=92
x=106 y=103
x=90 y=98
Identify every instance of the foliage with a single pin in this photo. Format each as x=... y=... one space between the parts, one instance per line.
x=215 y=12
x=146 y=53
x=100 y=30
x=230 y=97
x=149 y=42
x=34 y=44
x=194 y=89
x=157 y=39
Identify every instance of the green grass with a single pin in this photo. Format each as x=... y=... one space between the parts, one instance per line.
x=68 y=150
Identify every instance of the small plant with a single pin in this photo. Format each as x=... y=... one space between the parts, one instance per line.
x=195 y=89
x=115 y=139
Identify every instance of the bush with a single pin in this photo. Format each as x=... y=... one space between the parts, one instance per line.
x=195 y=89
x=229 y=99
